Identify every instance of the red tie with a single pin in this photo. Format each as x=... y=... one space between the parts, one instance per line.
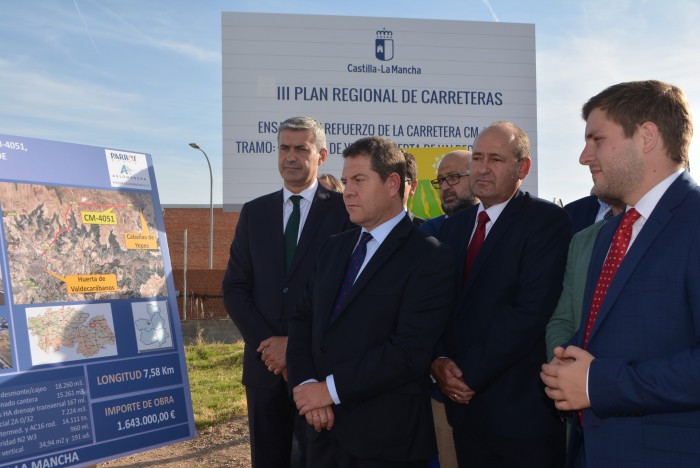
x=618 y=248
x=475 y=244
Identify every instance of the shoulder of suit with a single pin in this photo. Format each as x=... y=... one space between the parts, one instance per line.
x=350 y=235
x=585 y=201
x=264 y=199
x=545 y=206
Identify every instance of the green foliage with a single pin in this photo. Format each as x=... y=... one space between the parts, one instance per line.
x=215 y=371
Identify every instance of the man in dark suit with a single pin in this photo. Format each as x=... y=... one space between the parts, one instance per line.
x=359 y=352
x=453 y=183
x=634 y=371
x=411 y=185
x=586 y=211
x=455 y=195
x=272 y=256
x=493 y=347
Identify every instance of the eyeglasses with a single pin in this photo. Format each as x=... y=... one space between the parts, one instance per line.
x=452 y=179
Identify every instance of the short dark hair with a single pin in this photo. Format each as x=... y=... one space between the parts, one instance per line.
x=385 y=157
x=632 y=103
x=411 y=167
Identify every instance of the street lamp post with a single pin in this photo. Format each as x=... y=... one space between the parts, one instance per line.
x=211 y=207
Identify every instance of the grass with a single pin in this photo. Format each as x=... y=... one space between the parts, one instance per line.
x=215 y=382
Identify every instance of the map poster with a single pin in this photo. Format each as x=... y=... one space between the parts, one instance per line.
x=92 y=365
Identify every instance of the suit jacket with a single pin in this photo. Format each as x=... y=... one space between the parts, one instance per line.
x=566 y=318
x=496 y=335
x=433 y=226
x=644 y=382
x=583 y=212
x=259 y=294
x=416 y=220
x=380 y=346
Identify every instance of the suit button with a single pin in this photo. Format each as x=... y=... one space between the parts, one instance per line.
x=284 y=290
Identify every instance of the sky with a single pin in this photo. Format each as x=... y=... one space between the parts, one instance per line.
x=145 y=75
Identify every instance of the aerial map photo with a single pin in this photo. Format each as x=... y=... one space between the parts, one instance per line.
x=69 y=333
x=69 y=244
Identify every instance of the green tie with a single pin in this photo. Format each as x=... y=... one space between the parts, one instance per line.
x=291 y=232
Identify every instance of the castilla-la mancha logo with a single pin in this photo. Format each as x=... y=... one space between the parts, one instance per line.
x=384 y=45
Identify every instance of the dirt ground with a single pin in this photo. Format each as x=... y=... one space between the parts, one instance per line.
x=225 y=445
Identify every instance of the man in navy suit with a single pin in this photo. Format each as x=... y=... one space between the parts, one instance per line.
x=494 y=343
x=361 y=340
x=634 y=371
x=585 y=212
x=272 y=255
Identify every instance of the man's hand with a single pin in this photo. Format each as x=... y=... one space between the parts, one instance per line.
x=450 y=380
x=274 y=354
x=311 y=396
x=322 y=418
x=565 y=377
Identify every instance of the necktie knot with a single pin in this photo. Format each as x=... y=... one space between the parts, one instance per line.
x=630 y=217
x=364 y=238
x=475 y=244
x=608 y=215
x=295 y=200
x=353 y=269
x=483 y=217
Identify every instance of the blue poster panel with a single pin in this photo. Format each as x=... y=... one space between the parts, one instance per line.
x=92 y=365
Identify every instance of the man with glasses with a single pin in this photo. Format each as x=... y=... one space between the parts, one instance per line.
x=453 y=183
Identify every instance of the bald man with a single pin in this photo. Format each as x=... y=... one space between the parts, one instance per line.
x=453 y=183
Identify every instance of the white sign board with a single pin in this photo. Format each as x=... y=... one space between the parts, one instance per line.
x=418 y=82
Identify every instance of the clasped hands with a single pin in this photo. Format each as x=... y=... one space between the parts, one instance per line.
x=451 y=381
x=273 y=352
x=565 y=378
x=315 y=403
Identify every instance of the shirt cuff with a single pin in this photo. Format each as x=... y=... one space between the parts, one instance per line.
x=330 y=383
x=588 y=373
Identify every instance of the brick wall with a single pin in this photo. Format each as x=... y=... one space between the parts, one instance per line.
x=204 y=299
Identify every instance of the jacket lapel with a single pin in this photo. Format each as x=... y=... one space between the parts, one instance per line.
x=653 y=226
x=392 y=242
x=340 y=259
x=317 y=212
x=275 y=216
x=495 y=236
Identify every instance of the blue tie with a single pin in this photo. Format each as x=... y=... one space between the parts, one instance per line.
x=608 y=215
x=356 y=260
